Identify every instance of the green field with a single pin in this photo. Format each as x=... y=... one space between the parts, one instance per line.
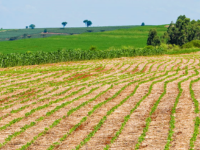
x=5 y=34
x=135 y=36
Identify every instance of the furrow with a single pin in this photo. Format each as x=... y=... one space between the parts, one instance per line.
x=47 y=120
x=157 y=131
x=183 y=105
x=128 y=137
x=113 y=122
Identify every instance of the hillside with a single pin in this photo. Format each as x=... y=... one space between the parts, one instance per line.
x=135 y=36
x=5 y=34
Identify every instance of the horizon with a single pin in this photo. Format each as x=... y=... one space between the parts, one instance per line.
x=50 y=14
x=83 y=27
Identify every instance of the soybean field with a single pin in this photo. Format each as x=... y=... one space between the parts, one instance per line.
x=117 y=104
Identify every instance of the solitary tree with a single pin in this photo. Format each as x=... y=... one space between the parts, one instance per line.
x=64 y=24
x=143 y=24
x=153 y=38
x=26 y=27
x=45 y=30
x=87 y=23
x=32 y=26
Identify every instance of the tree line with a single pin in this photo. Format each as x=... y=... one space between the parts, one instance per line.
x=87 y=23
x=179 y=33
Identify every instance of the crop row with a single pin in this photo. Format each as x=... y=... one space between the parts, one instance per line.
x=98 y=106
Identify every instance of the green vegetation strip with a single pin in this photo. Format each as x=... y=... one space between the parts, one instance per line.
x=19 y=59
x=197 y=120
x=195 y=133
x=172 y=121
x=196 y=103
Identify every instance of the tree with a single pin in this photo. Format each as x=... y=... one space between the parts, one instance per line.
x=153 y=38
x=183 y=31
x=45 y=30
x=181 y=17
x=143 y=24
x=32 y=26
x=193 y=22
x=64 y=24
x=26 y=27
x=156 y=41
x=87 y=23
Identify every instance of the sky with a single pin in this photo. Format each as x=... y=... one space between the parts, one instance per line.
x=17 y=14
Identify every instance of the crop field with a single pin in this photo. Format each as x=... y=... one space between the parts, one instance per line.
x=148 y=103
x=130 y=36
x=7 y=33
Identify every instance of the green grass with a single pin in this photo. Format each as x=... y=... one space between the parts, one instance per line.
x=36 y=32
x=135 y=36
